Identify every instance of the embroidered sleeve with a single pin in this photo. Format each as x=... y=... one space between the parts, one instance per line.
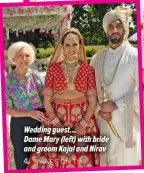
x=91 y=79
x=49 y=79
x=9 y=103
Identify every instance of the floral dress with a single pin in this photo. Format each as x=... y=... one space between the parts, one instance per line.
x=21 y=97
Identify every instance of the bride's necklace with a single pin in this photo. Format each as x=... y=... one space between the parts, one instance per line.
x=70 y=62
x=70 y=65
x=70 y=68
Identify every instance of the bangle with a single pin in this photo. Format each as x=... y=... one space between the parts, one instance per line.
x=87 y=120
x=50 y=112
x=55 y=121
x=80 y=128
x=52 y=117
x=59 y=124
x=83 y=124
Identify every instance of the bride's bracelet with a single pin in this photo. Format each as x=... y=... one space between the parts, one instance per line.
x=55 y=122
x=80 y=128
x=86 y=119
x=53 y=119
x=83 y=124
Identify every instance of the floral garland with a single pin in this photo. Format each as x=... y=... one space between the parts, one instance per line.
x=28 y=22
x=30 y=18
x=33 y=10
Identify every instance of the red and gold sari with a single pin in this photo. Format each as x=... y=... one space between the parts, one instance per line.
x=69 y=104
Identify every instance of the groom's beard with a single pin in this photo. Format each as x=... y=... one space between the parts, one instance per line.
x=116 y=40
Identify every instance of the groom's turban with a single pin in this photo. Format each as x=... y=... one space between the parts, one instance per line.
x=123 y=14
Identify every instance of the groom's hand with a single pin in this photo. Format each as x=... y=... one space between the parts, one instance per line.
x=105 y=115
x=108 y=107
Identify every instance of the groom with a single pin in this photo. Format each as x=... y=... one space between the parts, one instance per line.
x=116 y=71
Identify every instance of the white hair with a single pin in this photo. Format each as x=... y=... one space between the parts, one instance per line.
x=16 y=47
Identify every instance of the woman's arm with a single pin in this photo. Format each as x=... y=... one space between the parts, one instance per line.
x=52 y=118
x=84 y=123
x=48 y=95
x=16 y=113
x=91 y=97
x=92 y=102
x=27 y=113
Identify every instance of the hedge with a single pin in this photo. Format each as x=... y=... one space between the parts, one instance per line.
x=44 y=53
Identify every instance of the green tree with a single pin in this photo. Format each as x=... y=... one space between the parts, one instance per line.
x=88 y=19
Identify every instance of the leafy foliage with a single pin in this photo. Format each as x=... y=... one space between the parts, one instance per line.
x=88 y=19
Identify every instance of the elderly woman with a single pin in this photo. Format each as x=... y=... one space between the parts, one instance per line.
x=23 y=99
x=70 y=101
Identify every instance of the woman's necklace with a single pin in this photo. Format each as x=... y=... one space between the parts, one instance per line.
x=70 y=65
x=115 y=70
x=70 y=71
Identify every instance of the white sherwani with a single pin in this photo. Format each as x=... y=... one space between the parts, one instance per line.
x=119 y=70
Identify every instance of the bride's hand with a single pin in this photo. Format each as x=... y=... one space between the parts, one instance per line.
x=80 y=131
